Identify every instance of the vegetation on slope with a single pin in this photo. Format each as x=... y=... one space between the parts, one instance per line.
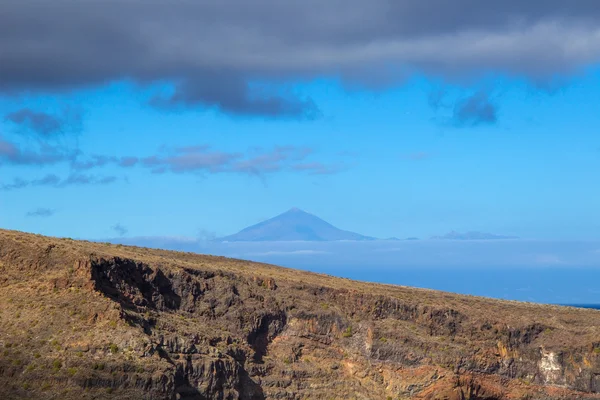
x=88 y=320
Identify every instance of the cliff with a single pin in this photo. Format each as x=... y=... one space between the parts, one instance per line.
x=82 y=320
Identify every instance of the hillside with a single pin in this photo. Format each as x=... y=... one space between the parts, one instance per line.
x=293 y=224
x=82 y=320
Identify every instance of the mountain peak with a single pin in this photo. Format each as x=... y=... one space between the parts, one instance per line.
x=293 y=225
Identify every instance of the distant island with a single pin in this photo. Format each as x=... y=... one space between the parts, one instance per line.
x=298 y=225
x=471 y=236
x=293 y=225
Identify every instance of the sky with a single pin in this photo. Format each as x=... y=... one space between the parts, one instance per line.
x=196 y=119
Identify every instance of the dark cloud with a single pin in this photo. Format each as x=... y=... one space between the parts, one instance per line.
x=231 y=94
x=41 y=212
x=54 y=181
x=120 y=229
x=44 y=124
x=261 y=47
x=473 y=110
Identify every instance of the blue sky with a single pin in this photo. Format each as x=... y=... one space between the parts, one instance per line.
x=199 y=119
x=380 y=162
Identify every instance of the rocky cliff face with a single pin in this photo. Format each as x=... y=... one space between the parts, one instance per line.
x=84 y=320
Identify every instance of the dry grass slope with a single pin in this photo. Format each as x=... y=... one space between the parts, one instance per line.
x=88 y=320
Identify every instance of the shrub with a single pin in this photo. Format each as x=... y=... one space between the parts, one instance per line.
x=348 y=332
x=113 y=348
x=98 y=366
x=56 y=365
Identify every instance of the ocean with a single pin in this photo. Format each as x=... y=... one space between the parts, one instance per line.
x=578 y=287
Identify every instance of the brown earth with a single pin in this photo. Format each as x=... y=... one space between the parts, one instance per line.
x=82 y=320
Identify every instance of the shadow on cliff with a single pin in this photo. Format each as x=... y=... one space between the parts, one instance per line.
x=134 y=284
x=187 y=389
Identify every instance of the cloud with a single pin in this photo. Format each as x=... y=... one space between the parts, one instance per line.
x=127 y=162
x=179 y=160
x=466 y=111
x=240 y=57
x=54 y=181
x=270 y=161
x=97 y=161
x=288 y=253
x=120 y=229
x=473 y=110
x=436 y=99
x=203 y=159
x=12 y=154
x=231 y=94
x=205 y=235
x=41 y=212
x=318 y=168
x=45 y=149
x=44 y=124
x=190 y=160
x=80 y=179
x=39 y=122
